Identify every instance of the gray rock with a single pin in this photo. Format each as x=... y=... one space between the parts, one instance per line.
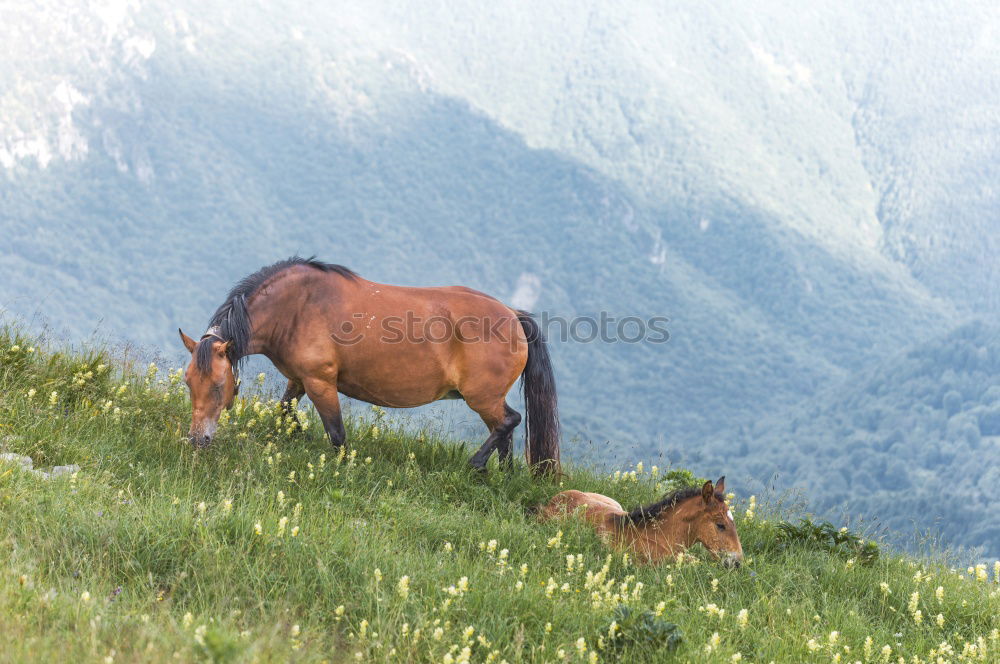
x=27 y=464
x=17 y=459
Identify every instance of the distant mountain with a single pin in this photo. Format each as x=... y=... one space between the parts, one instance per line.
x=801 y=195
x=871 y=129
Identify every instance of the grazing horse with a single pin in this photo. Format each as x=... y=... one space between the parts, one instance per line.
x=330 y=331
x=663 y=529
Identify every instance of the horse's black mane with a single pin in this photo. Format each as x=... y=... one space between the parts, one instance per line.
x=232 y=319
x=651 y=512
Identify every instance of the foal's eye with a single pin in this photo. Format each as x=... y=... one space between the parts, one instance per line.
x=720 y=526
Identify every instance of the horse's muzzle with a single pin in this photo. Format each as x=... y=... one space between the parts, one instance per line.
x=199 y=442
x=732 y=560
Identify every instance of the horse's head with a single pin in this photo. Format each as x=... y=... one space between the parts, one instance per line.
x=212 y=383
x=711 y=522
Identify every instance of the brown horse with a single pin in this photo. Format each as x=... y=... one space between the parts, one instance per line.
x=330 y=331
x=663 y=529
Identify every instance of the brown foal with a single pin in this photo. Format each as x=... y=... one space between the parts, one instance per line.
x=331 y=332
x=663 y=529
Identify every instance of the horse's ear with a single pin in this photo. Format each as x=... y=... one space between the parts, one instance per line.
x=720 y=485
x=189 y=343
x=226 y=347
x=707 y=492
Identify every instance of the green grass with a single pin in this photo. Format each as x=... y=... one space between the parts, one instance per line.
x=138 y=558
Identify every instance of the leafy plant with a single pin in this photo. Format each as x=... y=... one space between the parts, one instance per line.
x=218 y=646
x=629 y=628
x=681 y=478
x=825 y=536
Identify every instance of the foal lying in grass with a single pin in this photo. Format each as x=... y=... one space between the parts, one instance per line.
x=663 y=529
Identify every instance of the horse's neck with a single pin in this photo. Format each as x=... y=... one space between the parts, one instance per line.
x=270 y=315
x=274 y=305
x=665 y=537
x=261 y=328
x=267 y=329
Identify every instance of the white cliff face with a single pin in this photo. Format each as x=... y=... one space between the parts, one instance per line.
x=61 y=56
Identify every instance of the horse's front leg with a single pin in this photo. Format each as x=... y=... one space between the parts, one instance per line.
x=327 y=402
x=294 y=391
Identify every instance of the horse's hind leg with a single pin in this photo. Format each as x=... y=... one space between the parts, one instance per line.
x=501 y=420
x=324 y=396
x=505 y=449
x=505 y=446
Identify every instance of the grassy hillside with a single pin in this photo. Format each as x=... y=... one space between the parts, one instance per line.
x=271 y=547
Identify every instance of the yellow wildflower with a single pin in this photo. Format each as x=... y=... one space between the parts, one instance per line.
x=742 y=618
x=403 y=587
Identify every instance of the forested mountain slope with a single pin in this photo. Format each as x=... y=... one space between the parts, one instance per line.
x=912 y=442
x=802 y=194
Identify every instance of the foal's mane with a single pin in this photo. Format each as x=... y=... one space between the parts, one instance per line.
x=231 y=321
x=651 y=512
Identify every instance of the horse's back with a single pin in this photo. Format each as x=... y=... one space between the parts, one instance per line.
x=458 y=302
x=487 y=347
x=415 y=345
x=595 y=507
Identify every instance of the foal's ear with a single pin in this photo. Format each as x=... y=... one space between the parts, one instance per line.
x=189 y=343
x=707 y=492
x=720 y=485
x=225 y=347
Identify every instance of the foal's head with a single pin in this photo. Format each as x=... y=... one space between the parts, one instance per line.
x=710 y=521
x=212 y=383
x=692 y=515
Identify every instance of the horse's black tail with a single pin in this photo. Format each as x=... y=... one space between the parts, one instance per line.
x=541 y=423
